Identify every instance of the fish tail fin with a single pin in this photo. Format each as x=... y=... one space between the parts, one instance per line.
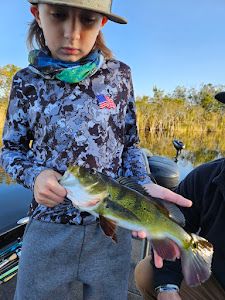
x=196 y=261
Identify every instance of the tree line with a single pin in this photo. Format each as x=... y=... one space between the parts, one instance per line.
x=184 y=110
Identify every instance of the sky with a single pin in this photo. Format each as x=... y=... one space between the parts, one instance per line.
x=167 y=43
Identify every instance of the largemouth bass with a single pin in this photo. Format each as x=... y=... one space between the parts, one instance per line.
x=124 y=203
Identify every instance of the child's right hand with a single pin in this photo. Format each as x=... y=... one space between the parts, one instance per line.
x=47 y=190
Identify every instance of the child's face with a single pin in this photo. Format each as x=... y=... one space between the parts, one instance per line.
x=70 y=33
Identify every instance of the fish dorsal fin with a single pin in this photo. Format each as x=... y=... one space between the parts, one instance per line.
x=132 y=184
x=174 y=212
x=108 y=227
x=168 y=208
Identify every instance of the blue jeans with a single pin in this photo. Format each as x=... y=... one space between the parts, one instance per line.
x=56 y=255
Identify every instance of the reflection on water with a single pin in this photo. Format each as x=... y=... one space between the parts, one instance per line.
x=199 y=148
x=5 y=178
x=14 y=202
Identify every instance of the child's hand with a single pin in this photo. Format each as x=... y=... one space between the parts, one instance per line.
x=47 y=190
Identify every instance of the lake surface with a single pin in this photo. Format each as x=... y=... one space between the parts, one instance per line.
x=14 y=202
x=15 y=199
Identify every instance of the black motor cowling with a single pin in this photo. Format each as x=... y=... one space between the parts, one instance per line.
x=164 y=171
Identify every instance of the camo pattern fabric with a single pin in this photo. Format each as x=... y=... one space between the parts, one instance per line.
x=51 y=124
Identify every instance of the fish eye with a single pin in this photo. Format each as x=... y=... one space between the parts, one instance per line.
x=92 y=171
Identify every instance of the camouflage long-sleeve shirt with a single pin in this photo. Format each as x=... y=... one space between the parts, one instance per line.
x=51 y=124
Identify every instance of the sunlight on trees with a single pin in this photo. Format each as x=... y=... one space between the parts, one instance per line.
x=6 y=74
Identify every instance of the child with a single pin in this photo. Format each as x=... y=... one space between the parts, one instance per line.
x=73 y=104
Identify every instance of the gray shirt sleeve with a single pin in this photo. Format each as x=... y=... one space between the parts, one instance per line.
x=16 y=140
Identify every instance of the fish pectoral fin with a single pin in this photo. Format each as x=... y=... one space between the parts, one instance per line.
x=108 y=227
x=166 y=248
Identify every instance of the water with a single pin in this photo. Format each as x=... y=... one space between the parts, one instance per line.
x=14 y=202
x=184 y=167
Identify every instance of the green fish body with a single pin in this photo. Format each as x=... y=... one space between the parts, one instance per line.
x=124 y=203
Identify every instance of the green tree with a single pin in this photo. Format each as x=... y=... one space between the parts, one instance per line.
x=157 y=94
x=207 y=97
x=180 y=92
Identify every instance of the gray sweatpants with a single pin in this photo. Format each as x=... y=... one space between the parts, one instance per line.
x=54 y=255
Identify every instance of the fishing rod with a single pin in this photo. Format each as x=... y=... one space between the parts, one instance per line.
x=6 y=279
x=13 y=247
x=11 y=250
x=9 y=260
x=8 y=236
x=6 y=261
x=8 y=273
x=9 y=266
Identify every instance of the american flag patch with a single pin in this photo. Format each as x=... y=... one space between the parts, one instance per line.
x=105 y=102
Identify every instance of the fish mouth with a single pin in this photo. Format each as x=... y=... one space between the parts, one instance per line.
x=84 y=187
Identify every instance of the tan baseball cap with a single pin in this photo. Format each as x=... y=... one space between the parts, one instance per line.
x=100 y=6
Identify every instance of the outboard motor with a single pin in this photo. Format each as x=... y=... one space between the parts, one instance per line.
x=220 y=97
x=178 y=145
x=162 y=170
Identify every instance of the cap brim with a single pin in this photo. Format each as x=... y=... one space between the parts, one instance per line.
x=111 y=17
x=115 y=18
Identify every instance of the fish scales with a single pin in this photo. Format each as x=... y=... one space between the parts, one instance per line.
x=143 y=209
x=119 y=204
